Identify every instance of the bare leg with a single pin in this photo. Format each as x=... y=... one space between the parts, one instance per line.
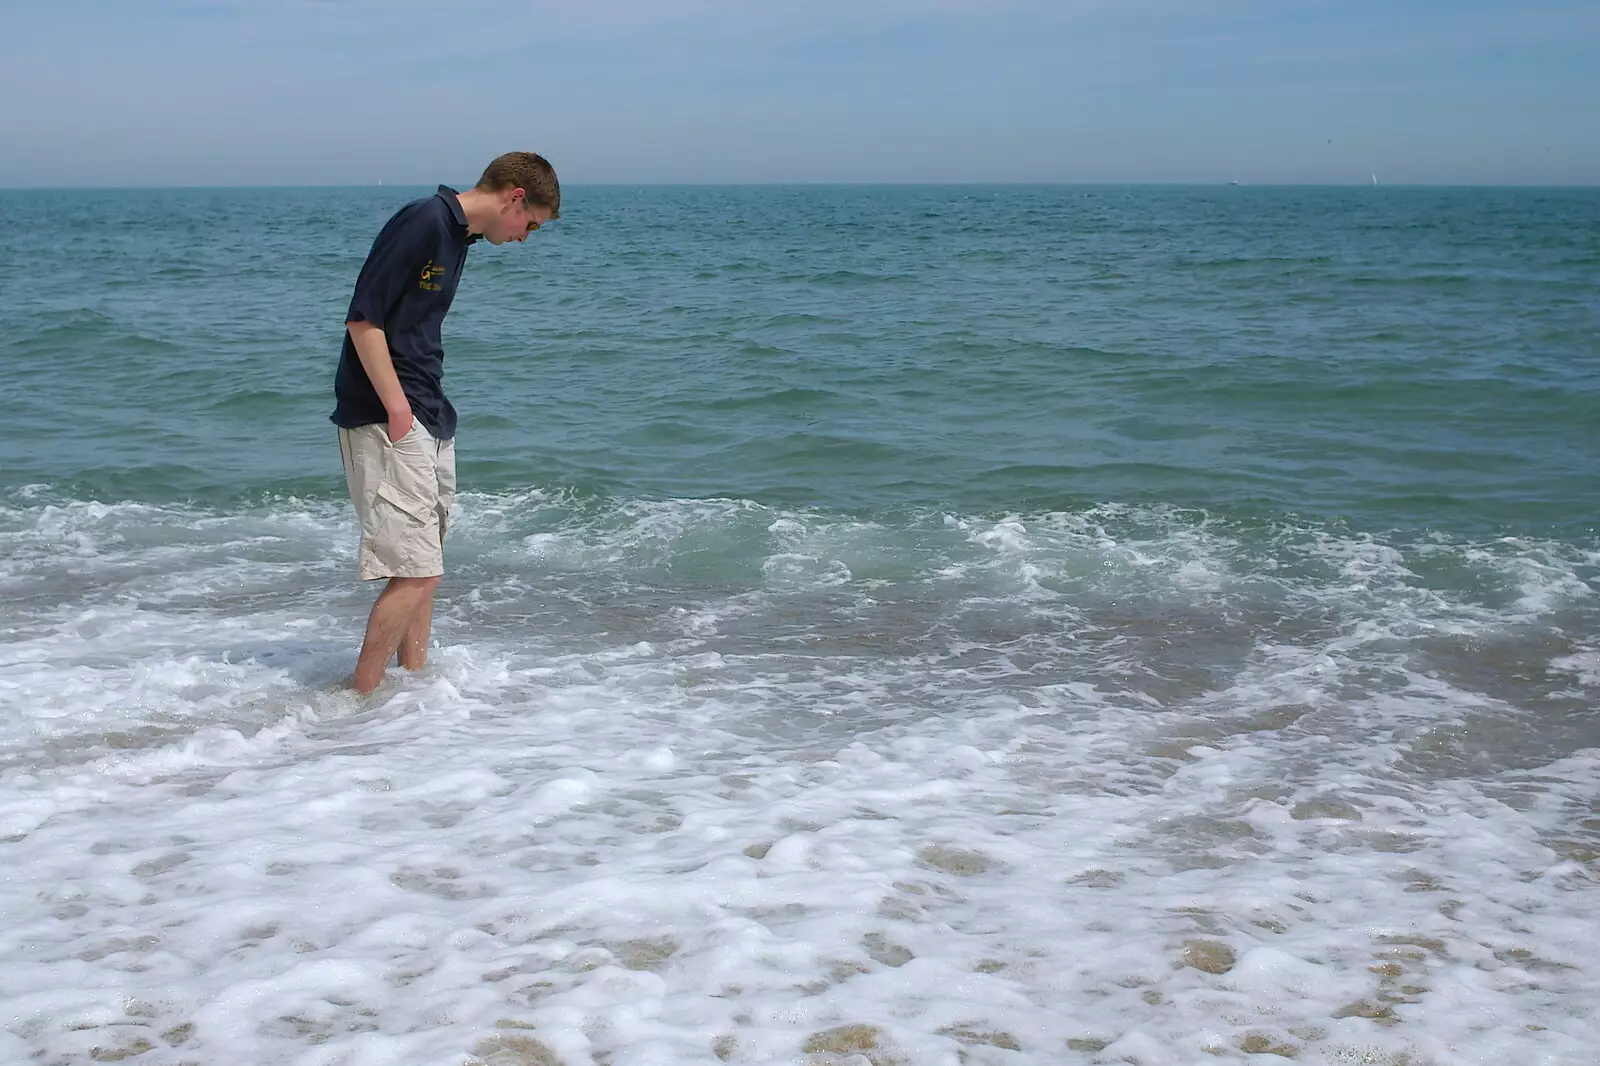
x=391 y=618
x=413 y=651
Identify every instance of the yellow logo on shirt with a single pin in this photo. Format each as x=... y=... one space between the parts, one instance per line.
x=430 y=272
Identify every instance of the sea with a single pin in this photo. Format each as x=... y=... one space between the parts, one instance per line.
x=883 y=626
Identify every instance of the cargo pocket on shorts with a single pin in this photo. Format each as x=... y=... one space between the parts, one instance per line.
x=411 y=506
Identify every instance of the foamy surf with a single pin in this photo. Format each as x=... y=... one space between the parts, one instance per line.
x=704 y=781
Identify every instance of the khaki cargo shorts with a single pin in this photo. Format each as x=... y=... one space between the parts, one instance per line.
x=402 y=493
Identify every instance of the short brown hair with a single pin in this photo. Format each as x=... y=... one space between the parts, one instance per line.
x=528 y=171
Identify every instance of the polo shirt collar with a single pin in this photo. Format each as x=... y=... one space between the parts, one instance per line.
x=452 y=200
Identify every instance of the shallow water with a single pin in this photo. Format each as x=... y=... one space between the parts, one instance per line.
x=866 y=635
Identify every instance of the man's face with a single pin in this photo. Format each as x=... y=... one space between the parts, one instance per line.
x=516 y=220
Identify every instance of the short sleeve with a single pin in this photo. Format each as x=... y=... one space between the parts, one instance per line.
x=399 y=252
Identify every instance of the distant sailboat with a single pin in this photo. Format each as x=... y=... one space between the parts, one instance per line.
x=1374 y=179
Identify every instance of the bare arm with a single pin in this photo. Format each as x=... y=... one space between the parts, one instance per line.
x=372 y=347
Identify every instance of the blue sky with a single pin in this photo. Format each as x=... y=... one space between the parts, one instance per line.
x=273 y=92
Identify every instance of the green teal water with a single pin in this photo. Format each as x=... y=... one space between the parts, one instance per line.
x=920 y=608
x=1397 y=358
x=1123 y=436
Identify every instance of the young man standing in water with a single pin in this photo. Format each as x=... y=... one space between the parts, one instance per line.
x=396 y=428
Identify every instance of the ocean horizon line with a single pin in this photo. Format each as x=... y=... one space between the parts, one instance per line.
x=825 y=185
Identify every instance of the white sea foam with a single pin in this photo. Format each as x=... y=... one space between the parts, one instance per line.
x=1584 y=667
x=1102 y=788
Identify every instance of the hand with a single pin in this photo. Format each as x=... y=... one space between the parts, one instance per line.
x=400 y=424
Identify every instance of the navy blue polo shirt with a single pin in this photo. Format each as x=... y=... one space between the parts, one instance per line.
x=404 y=288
